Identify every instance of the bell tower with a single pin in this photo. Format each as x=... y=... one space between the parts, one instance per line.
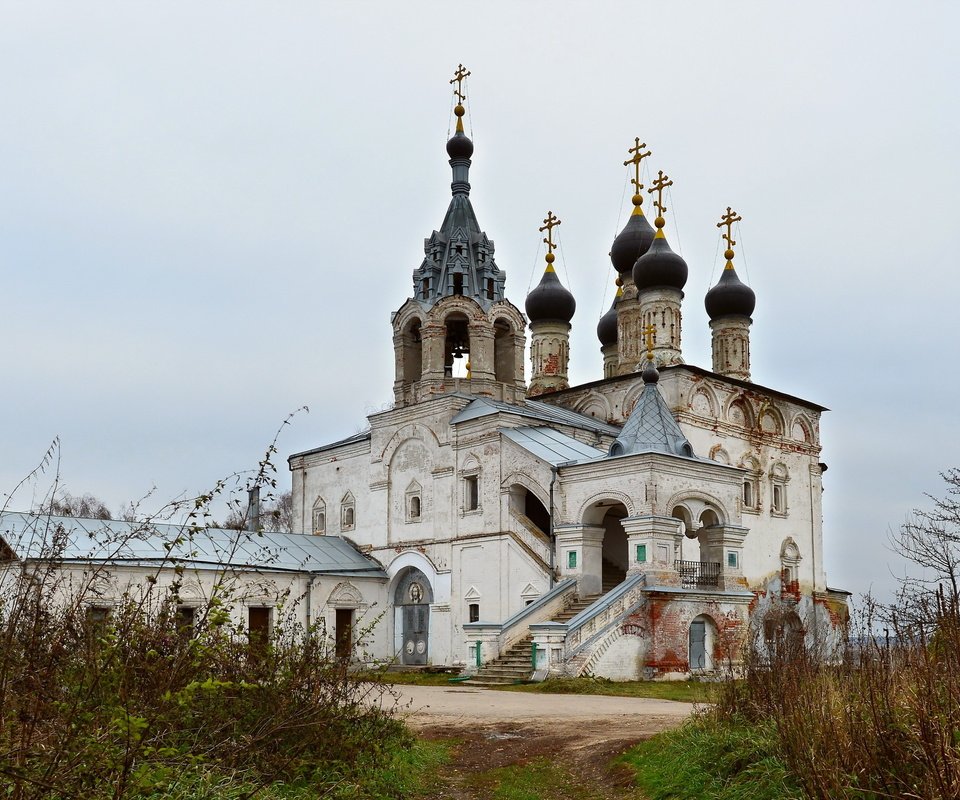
x=458 y=332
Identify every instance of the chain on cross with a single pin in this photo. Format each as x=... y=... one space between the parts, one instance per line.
x=549 y=224
x=661 y=183
x=727 y=220
x=637 y=157
x=458 y=78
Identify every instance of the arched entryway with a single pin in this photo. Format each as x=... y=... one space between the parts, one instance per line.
x=412 y=597
x=608 y=515
x=525 y=503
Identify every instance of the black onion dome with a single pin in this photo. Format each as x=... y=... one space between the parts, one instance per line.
x=607 y=326
x=631 y=243
x=550 y=300
x=660 y=266
x=459 y=146
x=730 y=297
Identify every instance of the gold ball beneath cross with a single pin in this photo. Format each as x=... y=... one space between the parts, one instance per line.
x=728 y=254
x=459 y=110
x=550 y=257
x=659 y=222
x=637 y=200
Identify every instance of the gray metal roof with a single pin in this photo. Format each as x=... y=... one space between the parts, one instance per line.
x=550 y=445
x=357 y=437
x=651 y=427
x=77 y=540
x=534 y=409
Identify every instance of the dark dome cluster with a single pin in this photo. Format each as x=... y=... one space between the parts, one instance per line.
x=730 y=297
x=631 y=243
x=660 y=266
x=550 y=300
x=459 y=146
x=607 y=327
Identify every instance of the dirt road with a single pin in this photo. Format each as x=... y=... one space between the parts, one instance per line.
x=583 y=733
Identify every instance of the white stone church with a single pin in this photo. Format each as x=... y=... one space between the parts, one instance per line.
x=643 y=524
x=646 y=524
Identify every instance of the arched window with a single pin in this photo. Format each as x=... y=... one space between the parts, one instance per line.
x=779 y=477
x=413 y=502
x=750 y=500
x=348 y=512
x=470 y=475
x=319 y=517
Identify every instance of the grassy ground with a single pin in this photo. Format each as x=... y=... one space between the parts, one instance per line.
x=406 y=772
x=710 y=760
x=683 y=691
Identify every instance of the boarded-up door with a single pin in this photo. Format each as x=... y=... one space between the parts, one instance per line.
x=698 y=644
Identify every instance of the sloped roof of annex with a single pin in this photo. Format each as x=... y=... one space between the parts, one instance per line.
x=28 y=536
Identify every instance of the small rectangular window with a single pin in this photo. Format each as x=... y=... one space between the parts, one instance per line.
x=425 y=288
x=732 y=559
x=489 y=288
x=572 y=559
x=778 y=499
x=258 y=626
x=186 y=620
x=471 y=497
x=641 y=553
x=457 y=283
x=473 y=612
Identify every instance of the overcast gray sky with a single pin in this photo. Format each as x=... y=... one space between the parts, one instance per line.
x=209 y=210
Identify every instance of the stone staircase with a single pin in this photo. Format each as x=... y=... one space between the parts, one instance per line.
x=515 y=666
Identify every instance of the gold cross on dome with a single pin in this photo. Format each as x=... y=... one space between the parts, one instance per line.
x=549 y=224
x=649 y=331
x=661 y=183
x=458 y=78
x=637 y=157
x=727 y=220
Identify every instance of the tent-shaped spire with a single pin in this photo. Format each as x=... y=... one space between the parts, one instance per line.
x=651 y=427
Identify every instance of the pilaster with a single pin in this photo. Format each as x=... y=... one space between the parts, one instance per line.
x=653 y=545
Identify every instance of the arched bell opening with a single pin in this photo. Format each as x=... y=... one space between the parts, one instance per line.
x=504 y=357
x=456 y=350
x=412 y=353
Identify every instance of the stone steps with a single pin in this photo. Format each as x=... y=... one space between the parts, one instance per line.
x=514 y=666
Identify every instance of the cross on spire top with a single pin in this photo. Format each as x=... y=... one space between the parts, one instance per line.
x=458 y=77
x=661 y=183
x=549 y=224
x=636 y=159
x=727 y=221
x=649 y=332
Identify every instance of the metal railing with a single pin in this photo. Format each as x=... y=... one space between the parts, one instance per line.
x=698 y=574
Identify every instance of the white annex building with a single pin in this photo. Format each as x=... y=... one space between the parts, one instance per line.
x=642 y=524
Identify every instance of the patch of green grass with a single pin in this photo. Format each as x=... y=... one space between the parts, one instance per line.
x=403 y=772
x=683 y=691
x=539 y=779
x=408 y=678
x=710 y=760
